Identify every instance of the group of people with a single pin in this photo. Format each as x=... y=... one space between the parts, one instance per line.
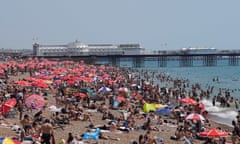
x=130 y=88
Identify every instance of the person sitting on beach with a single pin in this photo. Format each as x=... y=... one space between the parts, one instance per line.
x=179 y=133
x=103 y=108
x=26 y=122
x=61 y=118
x=148 y=138
x=38 y=116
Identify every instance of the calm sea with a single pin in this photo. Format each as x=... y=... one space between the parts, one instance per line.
x=228 y=78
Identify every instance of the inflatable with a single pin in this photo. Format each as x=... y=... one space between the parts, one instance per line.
x=148 y=107
x=160 y=106
x=92 y=135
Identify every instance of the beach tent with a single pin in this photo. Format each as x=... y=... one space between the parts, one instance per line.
x=8 y=105
x=148 y=107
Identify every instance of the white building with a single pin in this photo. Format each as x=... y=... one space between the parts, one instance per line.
x=79 y=49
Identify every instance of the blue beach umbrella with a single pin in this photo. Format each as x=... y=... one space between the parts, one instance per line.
x=104 y=89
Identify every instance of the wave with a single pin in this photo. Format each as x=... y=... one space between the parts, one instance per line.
x=220 y=114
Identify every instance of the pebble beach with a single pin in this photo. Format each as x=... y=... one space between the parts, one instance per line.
x=114 y=76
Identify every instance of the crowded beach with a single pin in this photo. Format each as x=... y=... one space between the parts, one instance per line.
x=70 y=102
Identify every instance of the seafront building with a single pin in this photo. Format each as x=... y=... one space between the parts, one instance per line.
x=80 y=49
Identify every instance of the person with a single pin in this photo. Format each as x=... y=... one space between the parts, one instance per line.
x=20 y=107
x=26 y=122
x=70 y=138
x=46 y=132
x=105 y=137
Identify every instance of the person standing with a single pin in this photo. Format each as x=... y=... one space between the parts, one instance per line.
x=46 y=132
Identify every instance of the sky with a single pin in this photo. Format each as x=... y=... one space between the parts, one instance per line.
x=154 y=24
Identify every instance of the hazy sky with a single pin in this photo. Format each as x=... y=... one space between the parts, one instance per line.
x=155 y=24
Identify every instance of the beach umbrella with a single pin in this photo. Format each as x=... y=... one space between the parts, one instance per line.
x=40 y=84
x=22 y=83
x=8 y=105
x=188 y=101
x=35 y=101
x=6 y=140
x=104 y=89
x=213 y=133
x=194 y=116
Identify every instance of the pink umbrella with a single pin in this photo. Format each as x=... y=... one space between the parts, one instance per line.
x=195 y=116
x=213 y=133
x=35 y=101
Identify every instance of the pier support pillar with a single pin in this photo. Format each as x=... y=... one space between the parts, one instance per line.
x=186 y=61
x=162 y=61
x=138 y=62
x=115 y=61
x=233 y=60
x=209 y=60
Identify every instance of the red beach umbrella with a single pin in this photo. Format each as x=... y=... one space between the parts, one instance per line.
x=213 y=133
x=9 y=104
x=22 y=83
x=188 y=101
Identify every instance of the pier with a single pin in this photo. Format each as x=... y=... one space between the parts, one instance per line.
x=184 y=60
x=139 y=60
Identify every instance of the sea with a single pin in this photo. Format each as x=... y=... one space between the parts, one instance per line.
x=228 y=77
